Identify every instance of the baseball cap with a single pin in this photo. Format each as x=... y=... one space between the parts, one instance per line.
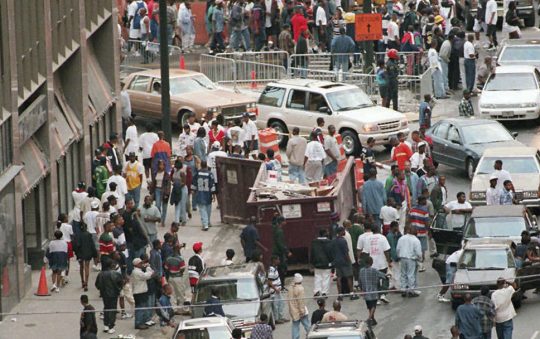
x=439 y=19
x=245 y=115
x=493 y=177
x=137 y=261
x=298 y=278
x=197 y=246
x=216 y=144
x=94 y=204
x=418 y=328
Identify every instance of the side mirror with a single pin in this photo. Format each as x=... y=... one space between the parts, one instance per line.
x=515 y=134
x=325 y=110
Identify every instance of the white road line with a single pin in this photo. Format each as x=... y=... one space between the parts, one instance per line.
x=535 y=334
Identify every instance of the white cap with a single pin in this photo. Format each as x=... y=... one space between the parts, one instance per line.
x=137 y=261
x=493 y=177
x=422 y=143
x=418 y=328
x=298 y=278
x=216 y=144
x=94 y=204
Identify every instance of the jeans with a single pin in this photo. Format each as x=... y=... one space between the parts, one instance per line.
x=392 y=95
x=486 y=335
x=151 y=303
x=259 y=40
x=450 y=273
x=154 y=30
x=444 y=66
x=408 y=273
x=136 y=195
x=161 y=204
x=438 y=83
x=217 y=41
x=504 y=329
x=109 y=317
x=297 y=172
x=342 y=62
x=322 y=281
x=278 y=306
x=470 y=73
x=242 y=35
x=206 y=212
x=180 y=209
x=141 y=300
x=331 y=168
x=296 y=326
x=132 y=255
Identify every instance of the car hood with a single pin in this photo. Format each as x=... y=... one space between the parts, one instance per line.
x=522 y=182
x=508 y=97
x=373 y=114
x=243 y=311
x=482 y=277
x=215 y=98
x=480 y=148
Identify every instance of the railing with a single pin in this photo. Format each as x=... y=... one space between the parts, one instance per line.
x=264 y=57
x=136 y=52
x=325 y=61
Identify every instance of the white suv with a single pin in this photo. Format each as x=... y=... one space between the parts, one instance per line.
x=299 y=102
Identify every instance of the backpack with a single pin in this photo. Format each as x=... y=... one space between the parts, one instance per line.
x=137 y=18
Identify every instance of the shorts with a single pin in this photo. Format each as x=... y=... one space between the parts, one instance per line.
x=491 y=30
x=344 y=271
x=96 y=240
x=147 y=163
x=371 y=304
x=70 y=249
x=423 y=242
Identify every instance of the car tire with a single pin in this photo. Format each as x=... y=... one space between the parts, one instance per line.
x=350 y=143
x=530 y=20
x=470 y=168
x=280 y=128
x=182 y=117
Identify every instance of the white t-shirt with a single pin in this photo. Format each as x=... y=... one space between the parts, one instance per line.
x=331 y=145
x=361 y=243
x=417 y=160
x=236 y=135
x=493 y=196
x=468 y=49
x=211 y=161
x=502 y=299
x=133 y=137
x=194 y=127
x=132 y=11
x=376 y=245
x=320 y=17
x=388 y=214
x=146 y=141
x=121 y=189
x=433 y=58
x=90 y=219
x=502 y=176
x=456 y=220
x=491 y=9
x=106 y=195
x=315 y=151
x=250 y=130
x=67 y=231
x=393 y=31
x=454 y=257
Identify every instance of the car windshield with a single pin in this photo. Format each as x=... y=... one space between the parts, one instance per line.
x=204 y=333
x=524 y=165
x=194 y=83
x=348 y=100
x=495 y=227
x=511 y=82
x=228 y=290
x=520 y=53
x=485 y=133
x=341 y=336
x=486 y=259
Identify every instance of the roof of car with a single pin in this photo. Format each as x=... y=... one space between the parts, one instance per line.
x=487 y=243
x=173 y=73
x=203 y=322
x=310 y=83
x=230 y=271
x=469 y=121
x=521 y=42
x=508 y=152
x=498 y=211
x=337 y=327
x=514 y=69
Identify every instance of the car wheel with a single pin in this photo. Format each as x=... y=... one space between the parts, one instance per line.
x=183 y=117
x=530 y=20
x=280 y=128
x=469 y=168
x=350 y=143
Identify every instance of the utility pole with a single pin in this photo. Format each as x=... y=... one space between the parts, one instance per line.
x=164 y=62
x=368 y=44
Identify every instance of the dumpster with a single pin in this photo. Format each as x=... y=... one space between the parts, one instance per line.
x=307 y=209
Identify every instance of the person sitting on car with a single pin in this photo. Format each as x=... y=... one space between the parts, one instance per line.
x=213 y=306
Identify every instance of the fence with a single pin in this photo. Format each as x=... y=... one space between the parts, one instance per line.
x=136 y=52
x=263 y=57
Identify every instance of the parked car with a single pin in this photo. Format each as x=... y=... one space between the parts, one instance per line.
x=235 y=283
x=190 y=92
x=511 y=93
x=519 y=52
x=523 y=164
x=299 y=102
x=525 y=11
x=482 y=262
x=207 y=328
x=352 y=329
x=461 y=142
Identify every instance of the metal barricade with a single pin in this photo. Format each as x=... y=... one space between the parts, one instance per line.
x=218 y=69
x=325 y=61
x=136 y=52
x=410 y=63
x=276 y=57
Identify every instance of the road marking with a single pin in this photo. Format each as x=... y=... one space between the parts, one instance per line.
x=535 y=334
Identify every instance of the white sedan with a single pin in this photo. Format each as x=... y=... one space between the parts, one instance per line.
x=512 y=93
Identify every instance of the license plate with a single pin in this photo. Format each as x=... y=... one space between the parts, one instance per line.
x=507 y=113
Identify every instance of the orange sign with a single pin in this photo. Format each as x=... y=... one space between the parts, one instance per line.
x=368 y=27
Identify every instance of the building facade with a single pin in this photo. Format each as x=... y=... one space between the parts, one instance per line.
x=58 y=102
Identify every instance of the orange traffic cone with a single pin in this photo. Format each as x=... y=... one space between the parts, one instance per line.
x=5 y=282
x=182 y=61
x=253 y=79
x=42 y=290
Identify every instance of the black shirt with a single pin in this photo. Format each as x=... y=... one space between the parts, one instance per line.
x=88 y=320
x=317 y=316
x=368 y=158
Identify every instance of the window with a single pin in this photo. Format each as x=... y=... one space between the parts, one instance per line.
x=316 y=101
x=6 y=153
x=297 y=99
x=441 y=131
x=140 y=83
x=453 y=134
x=272 y=96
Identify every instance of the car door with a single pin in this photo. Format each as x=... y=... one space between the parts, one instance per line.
x=454 y=148
x=447 y=239
x=138 y=90
x=153 y=101
x=316 y=102
x=296 y=113
x=439 y=135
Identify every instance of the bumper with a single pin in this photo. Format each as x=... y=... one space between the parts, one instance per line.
x=510 y=113
x=527 y=202
x=382 y=138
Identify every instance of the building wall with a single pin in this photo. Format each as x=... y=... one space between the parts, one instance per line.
x=58 y=85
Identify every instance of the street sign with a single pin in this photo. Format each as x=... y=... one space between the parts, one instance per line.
x=368 y=27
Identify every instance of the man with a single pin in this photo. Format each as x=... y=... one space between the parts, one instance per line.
x=439 y=194
x=90 y=219
x=185 y=139
x=297 y=306
x=196 y=264
x=342 y=46
x=465 y=105
x=409 y=251
x=369 y=283
x=111 y=149
x=146 y=142
x=493 y=194
x=133 y=171
x=335 y=314
x=321 y=23
x=165 y=310
x=429 y=180
x=412 y=182
x=275 y=285
x=186 y=20
x=101 y=175
x=251 y=134
x=367 y=156
x=296 y=150
x=419 y=219
x=319 y=313
x=250 y=239
x=484 y=71
x=132 y=138
x=257 y=25
x=401 y=152
x=418 y=333
x=88 y=325
x=262 y=330
x=392 y=72
x=507 y=194
x=298 y=23
x=333 y=155
x=161 y=150
x=501 y=174
x=121 y=188
x=487 y=310
x=373 y=197
x=109 y=283
x=393 y=33
x=218 y=24
x=319 y=129
x=156 y=263
x=491 y=21
x=418 y=159
x=279 y=245
x=342 y=263
x=457 y=210
x=150 y=215
x=136 y=238
x=468 y=319
x=469 y=54
x=444 y=58
x=321 y=260
x=204 y=189
x=393 y=238
x=504 y=309
x=175 y=266
x=436 y=71
x=424 y=111
x=213 y=306
x=313 y=158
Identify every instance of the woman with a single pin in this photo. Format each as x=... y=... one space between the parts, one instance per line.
x=67 y=235
x=160 y=188
x=85 y=249
x=512 y=21
x=179 y=193
x=215 y=134
x=190 y=169
x=57 y=256
x=199 y=145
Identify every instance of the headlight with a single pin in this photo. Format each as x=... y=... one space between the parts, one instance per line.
x=251 y=105
x=487 y=106
x=478 y=195
x=530 y=194
x=461 y=287
x=370 y=127
x=404 y=123
x=528 y=104
x=213 y=109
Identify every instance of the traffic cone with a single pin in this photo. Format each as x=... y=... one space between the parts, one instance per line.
x=253 y=79
x=182 y=61
x=43 y=289
x=5 y=282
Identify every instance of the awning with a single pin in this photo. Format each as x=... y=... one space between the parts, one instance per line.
x=100 y=91
x=66 y=127
x=7 y=176
x=36 y=166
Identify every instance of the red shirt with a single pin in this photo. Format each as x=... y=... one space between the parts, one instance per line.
x=216 y=136
x=299 y=24
x=402 y=153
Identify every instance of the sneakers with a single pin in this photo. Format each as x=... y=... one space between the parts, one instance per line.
x=101 y=315
x=126 y=315
x=106 y=329
x=150 y=323
x=96 y=268
x=442 y=299
x=111 y=330
x=54 y=288
x=422 y=268
x=384 y=300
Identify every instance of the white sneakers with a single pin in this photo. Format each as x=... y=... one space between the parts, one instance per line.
x=421 y=268
x=126 y=315
x=384 y=300
x=150 y=323
x=55 y=288
x=442 y=299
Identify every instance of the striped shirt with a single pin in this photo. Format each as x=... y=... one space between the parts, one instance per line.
x=419 y=218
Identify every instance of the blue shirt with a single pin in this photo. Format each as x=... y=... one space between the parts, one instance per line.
x=250 y=236
x=468 y=321
x=373 y=196
x=341 y=252
x=424 y=114
x=203 y=185
x=506 y=197
x=217 y=17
